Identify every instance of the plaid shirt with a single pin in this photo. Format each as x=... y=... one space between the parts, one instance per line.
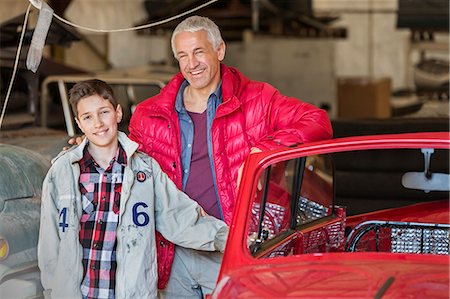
x=100 y=193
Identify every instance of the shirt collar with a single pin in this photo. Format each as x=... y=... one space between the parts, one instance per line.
x=121 y=156
x=179 y=105
x=218 y=91
x=88 y=160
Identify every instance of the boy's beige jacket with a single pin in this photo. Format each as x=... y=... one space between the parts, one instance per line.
x=145 y=204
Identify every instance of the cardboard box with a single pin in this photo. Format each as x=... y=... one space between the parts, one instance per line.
x=364 y=97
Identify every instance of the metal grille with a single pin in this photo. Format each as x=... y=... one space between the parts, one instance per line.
x=309 y=210
x=413 y=240
x=400 y=237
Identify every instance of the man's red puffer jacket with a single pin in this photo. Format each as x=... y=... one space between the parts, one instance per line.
x=252 y=114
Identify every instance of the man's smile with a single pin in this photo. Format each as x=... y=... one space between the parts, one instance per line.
x=196 y=72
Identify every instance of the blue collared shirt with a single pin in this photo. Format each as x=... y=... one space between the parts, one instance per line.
x=187 y=130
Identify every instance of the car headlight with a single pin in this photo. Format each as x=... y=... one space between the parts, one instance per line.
x=4 y=249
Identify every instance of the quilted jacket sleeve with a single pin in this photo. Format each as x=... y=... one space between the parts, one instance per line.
x=135 y=128
x=291 y=121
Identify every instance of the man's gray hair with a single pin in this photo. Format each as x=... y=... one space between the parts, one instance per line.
x=197 y=23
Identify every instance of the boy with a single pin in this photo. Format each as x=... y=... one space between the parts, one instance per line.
x=101 y=204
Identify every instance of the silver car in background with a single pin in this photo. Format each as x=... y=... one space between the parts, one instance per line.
x=21 y=175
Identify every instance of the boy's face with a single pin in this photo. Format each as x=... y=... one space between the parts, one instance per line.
x=98 y=120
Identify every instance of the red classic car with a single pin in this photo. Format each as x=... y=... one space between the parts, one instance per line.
x=292 y=236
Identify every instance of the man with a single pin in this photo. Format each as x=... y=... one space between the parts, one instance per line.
x=200 y=128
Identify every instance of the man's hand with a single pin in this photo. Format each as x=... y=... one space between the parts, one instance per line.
x=74 y=141
x=252 y=151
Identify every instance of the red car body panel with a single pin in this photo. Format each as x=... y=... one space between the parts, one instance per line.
x=335 y=274
x=429 y=212
x=339 y=275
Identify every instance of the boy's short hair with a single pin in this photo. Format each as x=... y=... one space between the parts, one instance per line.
x=90 y=87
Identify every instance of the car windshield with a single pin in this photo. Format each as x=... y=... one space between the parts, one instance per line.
x=21 y=174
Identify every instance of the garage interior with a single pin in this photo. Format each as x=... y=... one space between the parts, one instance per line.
x=376 y=66
x=357 y=217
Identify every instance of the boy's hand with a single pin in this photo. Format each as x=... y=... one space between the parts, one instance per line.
x=221 y=238
x=74 y=141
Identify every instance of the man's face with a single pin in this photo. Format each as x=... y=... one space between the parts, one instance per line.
x=98 y=120
x=199 y=62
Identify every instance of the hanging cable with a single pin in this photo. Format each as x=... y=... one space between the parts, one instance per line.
x=145 y=26
x=16 y=62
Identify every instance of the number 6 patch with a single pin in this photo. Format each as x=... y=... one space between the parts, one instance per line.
x=140 y=218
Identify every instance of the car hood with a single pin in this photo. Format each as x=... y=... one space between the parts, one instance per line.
x=356 y=275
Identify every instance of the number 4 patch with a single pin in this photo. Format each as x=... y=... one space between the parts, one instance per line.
x=63 y=220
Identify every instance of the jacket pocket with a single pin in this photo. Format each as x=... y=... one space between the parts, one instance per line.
x=88 y=198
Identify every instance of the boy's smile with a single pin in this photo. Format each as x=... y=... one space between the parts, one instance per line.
x=98 y=120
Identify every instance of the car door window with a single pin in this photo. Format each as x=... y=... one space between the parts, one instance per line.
x=273 y=195
x=290 y=193
x=316 y=191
